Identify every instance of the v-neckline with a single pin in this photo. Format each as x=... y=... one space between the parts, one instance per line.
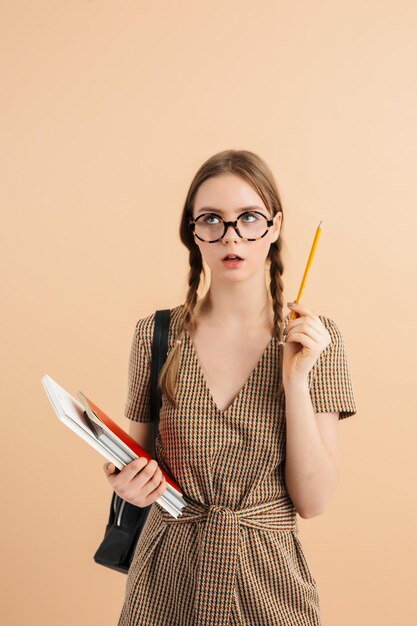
x=247 y=382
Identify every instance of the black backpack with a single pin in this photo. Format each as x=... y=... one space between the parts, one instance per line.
x=126 y=520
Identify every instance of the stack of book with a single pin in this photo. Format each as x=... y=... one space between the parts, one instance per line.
x=90 y=423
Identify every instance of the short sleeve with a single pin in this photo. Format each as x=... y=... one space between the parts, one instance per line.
x=331 y=388
x=139 y=372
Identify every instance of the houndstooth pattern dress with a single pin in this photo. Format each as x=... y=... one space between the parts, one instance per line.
x=233 y=557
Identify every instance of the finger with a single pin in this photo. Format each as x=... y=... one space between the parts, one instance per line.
x=307 y=329
x=301 y=309
x=154 y=485
x=150 y=477
x=134 y=467
x=150 y=471
x=109 y=468
x=304 y=323
x=304 y=339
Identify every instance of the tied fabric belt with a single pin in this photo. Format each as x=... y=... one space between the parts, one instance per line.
x=219 y=544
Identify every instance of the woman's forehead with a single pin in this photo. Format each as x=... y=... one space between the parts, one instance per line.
x=227 y=193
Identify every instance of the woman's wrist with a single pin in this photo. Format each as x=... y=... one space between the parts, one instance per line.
x=295 y=384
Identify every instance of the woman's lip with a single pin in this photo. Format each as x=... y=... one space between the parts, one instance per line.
x=232 y=262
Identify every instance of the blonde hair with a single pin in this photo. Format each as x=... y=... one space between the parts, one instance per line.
x=253 y=170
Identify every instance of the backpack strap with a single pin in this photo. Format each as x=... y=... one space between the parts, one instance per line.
x=159 y=355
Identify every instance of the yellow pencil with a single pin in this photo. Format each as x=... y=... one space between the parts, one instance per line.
x=293 y=314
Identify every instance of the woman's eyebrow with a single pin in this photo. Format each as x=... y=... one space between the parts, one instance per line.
x=204 y=209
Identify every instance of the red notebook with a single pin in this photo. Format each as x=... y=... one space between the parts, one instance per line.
x=95 y=413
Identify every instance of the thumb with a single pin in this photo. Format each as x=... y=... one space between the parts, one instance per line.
x=109 y=468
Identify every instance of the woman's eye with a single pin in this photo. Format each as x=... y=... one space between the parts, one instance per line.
x=210 y=217
x=250 y=215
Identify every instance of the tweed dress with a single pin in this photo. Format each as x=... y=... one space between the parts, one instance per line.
x=233 y=557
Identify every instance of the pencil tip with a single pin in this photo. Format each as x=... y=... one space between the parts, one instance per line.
x=321 y=222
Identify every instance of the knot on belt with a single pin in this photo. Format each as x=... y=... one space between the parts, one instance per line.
x=219 y=538
x=217 y=508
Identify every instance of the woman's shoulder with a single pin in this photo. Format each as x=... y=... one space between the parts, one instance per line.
x=334 y=349
x=332 y=328
x=145 y=325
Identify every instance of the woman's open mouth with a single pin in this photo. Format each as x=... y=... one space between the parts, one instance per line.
x=232 y=260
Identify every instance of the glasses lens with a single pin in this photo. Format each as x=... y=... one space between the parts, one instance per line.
x=209 y=227
x=251 y=225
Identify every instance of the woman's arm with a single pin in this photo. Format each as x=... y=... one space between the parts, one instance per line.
x=142 y=433
x=311 y=472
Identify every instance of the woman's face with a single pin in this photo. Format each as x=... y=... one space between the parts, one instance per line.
x=229 y=195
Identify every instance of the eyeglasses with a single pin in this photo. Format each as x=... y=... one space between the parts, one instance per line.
x=250 y=226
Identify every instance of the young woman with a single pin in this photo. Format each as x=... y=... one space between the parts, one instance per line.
x=248 y=423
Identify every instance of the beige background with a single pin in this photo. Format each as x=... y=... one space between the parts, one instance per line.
x=107 y=110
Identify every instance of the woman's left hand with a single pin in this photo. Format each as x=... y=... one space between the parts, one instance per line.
x=306 y=338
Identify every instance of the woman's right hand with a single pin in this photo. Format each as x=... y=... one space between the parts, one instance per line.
x=140 y=482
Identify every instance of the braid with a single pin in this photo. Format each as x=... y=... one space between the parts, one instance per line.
x=196 y=267
x=169 y=370
x=276 y=288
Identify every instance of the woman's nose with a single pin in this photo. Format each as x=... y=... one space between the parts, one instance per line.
x=234 y=234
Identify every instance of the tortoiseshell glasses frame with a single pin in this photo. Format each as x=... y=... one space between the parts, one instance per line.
x=192 y=223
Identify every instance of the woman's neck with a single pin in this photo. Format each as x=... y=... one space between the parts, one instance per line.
x=240 y=305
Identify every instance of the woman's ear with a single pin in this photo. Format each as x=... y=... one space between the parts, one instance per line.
x=275 y=236
x=276 y=227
